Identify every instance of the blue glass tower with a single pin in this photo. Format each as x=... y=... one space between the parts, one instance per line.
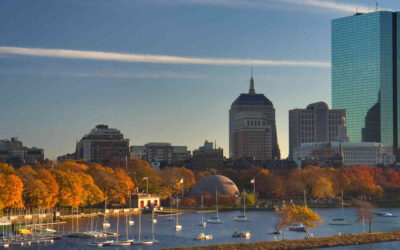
x=365 y=75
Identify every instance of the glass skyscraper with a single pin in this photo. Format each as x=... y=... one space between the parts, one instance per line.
x=365 y=75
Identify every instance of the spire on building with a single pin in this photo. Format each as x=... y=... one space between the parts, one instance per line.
x=251 y=90
x=342 y=135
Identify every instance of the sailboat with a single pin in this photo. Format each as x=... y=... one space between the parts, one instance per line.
x=117 y=241
x=131 y=222
x=215 y=220
x=202 y=222
x=243 y=217
x=106 y=224
x=177 y=226
x=153 y=240
x=340 y=221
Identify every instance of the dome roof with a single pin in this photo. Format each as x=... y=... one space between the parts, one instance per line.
x=317 y=105
x=210 y=183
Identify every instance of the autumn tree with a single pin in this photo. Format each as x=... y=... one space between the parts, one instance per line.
x=115 y=183
x=11 y=188
x=323 y=189
x=40 y=187
x=365 y=211
x=71 y=190
x=173 y=175
x=297 y=214
x=138 y=169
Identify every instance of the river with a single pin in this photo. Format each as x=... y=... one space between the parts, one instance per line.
x=261 y=222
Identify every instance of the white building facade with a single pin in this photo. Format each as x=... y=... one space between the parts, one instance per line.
x=354 y=153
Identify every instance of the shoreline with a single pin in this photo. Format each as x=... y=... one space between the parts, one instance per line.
x=329 y=241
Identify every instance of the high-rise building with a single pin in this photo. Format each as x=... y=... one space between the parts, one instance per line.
x=316 y=123
x=252 y=128
x=13 y=152
x=365 y=74
x=162 y=152
x=103 y=145
x=207 y=157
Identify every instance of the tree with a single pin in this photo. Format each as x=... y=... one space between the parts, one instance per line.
x=138 y=169
x=365 y=211
x=188 y=202
x=323 y=189
x=70 y=188
x=173 y=175
x=6 y=169
x=11 y=188
x=297 y=214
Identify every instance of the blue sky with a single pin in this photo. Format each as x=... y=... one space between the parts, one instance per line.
x=167 y=73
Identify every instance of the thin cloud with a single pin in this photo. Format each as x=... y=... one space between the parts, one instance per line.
x=156 y=59
x=273 y=4
x=330 y=5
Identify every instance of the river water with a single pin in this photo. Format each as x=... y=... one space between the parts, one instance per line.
x=261 y=222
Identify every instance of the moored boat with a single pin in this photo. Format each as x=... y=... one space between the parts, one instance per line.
x=203 y=236
x=299 y=227
x=241 y=234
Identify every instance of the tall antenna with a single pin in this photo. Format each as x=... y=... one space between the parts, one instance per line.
x=251 y=68
x=376 y=5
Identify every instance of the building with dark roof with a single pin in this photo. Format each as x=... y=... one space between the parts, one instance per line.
x=15 y=153
x=103 y=145
x=252 y=128
x=316 y=123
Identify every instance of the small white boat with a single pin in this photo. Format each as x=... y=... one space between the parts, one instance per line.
x=203 y=236
x=299 y=227
x=121 y=243
x=177 y=226
x=131 y=222
x=243 y=217
x=216 y=219
x=203 y=224
x=246 y=234
x=387 y=214
x=101 y=243
x=154 y=221
x=106 y=224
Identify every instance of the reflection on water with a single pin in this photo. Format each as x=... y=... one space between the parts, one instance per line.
x=261 y=222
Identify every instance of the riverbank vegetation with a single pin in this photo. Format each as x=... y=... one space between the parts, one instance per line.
x=79 y=184
x=332 y=241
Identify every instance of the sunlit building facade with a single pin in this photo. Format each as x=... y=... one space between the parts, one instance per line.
x=252 y=128
x=365 y=75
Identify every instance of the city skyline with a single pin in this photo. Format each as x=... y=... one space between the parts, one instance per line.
x=173 y=85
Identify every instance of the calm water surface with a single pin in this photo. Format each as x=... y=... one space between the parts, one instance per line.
x=261 y=222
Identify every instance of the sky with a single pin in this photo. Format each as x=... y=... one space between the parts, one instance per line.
x=159 y=70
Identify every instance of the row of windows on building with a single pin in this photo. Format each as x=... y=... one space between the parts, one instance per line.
x=255 y=123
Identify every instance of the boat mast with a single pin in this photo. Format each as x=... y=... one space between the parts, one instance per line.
x=152 y=225
x=202 y=209
x=216 y=198
x=140 y=224
x=244 y=205
x=177 y=216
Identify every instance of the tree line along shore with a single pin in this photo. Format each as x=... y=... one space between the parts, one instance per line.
x=71 y=184
x=309 y=243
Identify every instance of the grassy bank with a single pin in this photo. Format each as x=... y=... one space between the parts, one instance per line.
x=332 y=241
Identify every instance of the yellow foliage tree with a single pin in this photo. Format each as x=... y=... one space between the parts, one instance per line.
x=297 y=214
x=11 y=188
x=323 y=189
